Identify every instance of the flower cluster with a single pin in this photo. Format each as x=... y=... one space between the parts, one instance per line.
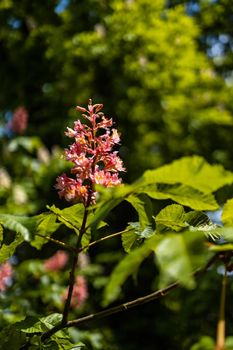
x=95 y=161
x=80 y=292
x=57 y=261
x=19 y=122
x=5 y=275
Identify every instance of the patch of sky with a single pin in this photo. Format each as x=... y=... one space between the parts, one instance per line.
x=61 y=6
x=224 y=38
x=216 y=50
x=5 y=131
x=215 y=216
x=192 y=7
x=15 y=23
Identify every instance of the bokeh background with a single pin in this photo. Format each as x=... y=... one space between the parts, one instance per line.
x=164 y=72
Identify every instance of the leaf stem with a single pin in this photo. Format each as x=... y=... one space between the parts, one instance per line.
x=104 y=238
x=62 y=244
x=220 y=338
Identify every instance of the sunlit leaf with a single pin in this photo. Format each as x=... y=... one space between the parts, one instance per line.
x=47 y=226
x=182 y=194
x=143 y=206
x=191 y=171
x=71 y=217
x=227 y=214
x=171 y=217
x=7 y=250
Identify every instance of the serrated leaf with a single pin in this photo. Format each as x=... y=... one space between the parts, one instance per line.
x=191 y=171
x=197 y=218
x=46 y=227
x=142 y=204
x=171 y=217
x=86 y=238
x=7 y=250
x=182 y=194
x=178 y=255
x=37 y=325
x=71 y=217
x=128 y=240
x=16 y=223
x=227 y=214
x=127 y=266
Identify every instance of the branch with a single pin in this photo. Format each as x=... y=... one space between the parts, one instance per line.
x=126 y=306
x=62 y=244
x=103 y=239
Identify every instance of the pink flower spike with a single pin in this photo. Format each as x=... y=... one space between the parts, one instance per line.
x=70 y=132
x=98 y=107
x=81 y=109
x=80 y=292
x=6 y=273
x=57 y=261
x=93 y=156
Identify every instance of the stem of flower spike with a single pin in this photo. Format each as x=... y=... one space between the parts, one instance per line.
x=220 y=341
x=63 y=323
x=74 y=264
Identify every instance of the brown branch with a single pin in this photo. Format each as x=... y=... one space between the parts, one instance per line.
x=72 y=272
x=126 y=306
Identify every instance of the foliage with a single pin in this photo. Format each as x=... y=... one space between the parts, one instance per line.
x=182 y=240
x=150 y=72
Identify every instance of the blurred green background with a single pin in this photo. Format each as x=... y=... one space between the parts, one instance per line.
x=164 y=72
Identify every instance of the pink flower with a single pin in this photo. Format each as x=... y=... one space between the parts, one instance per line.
x=5 y=275
x=19 y=122
x=80 y=292
x=95 y=161
x=57 y=261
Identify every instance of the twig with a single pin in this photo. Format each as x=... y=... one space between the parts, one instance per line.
x=125 y=306
x=104 y=238
x=62 y=244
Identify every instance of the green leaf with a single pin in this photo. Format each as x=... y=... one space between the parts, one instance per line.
x=46 y=227
x=142 y=204
x=109 y=199
x=11 y=338
x=127 y=266
x=197 y=218
x=128 y=240
x=30 y=144
x=178 y=255
x=171 y=217
x=16 y=223
x=191 y=171
x=227 y=214
x=7 y=250
x=205 y=343
x=182 y=194
x=38 y=325
x=71 y=217
x=174 y=217
x=135 y=236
